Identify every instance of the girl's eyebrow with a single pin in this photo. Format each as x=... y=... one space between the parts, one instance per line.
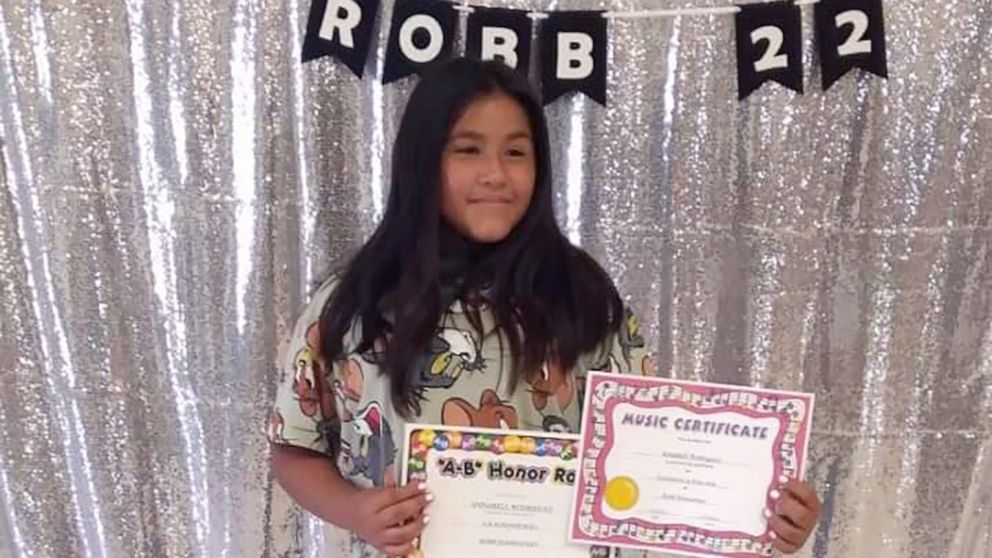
x=470 y=134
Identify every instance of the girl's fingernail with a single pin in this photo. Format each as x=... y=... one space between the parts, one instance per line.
x=422 y=487
x=783 y=479
x=427 y=519
x=429 y=497
x=775 y=494
x=773 y=535
x=768 y=513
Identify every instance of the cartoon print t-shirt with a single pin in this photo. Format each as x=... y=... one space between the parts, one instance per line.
x=462 y=380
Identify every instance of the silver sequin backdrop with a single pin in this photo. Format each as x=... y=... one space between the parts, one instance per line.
x=174 y=181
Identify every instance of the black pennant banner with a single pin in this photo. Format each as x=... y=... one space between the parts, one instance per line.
x=851 y=34
x=572 y=45
x=769 y=46
x=422 y=31
x=494 y=33
x=340 y=28
x=573 y=55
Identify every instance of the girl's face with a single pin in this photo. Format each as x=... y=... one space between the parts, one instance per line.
x=488 y=169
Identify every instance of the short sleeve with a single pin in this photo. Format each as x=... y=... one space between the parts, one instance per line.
x=624 y=351
x=303 y=411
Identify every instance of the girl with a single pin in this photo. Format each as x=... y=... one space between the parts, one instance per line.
x=466 y=307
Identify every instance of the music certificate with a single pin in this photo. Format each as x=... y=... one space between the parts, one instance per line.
x=496 y=493
x=682 y=467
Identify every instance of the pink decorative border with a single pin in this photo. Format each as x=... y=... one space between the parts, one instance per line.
x=605 y=391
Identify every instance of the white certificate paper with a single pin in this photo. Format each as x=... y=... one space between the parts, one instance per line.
x=682 y=467
x=496 y=493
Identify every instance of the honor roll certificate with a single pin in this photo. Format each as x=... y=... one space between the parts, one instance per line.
x=685 y=468
x=496 y=493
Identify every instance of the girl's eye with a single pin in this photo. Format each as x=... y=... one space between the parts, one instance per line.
x=516 y=152
x=467 y=150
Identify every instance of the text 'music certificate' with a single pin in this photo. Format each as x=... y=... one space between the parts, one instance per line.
x=683 y=467
x=496 y=493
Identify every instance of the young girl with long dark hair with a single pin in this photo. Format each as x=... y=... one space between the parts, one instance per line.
x=466 y=307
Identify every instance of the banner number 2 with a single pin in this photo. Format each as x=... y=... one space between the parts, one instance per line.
x=773 y=57
x=856 y=43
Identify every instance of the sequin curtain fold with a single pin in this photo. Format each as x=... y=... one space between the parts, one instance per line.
x=174 y=182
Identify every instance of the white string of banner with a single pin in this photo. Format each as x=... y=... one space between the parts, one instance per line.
x=644 y=14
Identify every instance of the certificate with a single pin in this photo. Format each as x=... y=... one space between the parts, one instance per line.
x=682 y=467
x=496 y=493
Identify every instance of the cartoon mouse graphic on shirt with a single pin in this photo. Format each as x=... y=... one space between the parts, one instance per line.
x=491 y=412
x=310 y=388
x=306 y=370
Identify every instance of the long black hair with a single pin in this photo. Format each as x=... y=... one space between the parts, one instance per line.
x=549 y=299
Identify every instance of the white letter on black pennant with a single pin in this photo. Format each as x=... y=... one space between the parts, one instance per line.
x=573 y=55
x=421 y=32
x=342 y=28
x=427 y=53
x=851 y=34
x=769 y=46
x=497 y=34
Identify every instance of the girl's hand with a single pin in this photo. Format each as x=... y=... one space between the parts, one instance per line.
x=796 y=510
x=389 y=518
